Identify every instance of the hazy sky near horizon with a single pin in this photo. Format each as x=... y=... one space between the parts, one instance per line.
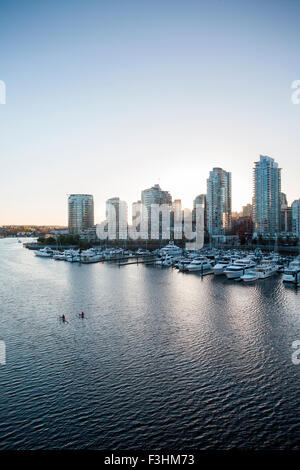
x=111 y=97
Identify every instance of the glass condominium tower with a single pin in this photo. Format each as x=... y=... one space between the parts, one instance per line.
x=81 y=212
x=218 y=202
x=152 y=197
x=155 y=195
x=267 y=196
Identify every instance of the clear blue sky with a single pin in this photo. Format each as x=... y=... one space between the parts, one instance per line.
x=110 y=97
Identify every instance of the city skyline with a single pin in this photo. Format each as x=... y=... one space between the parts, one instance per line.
x=166 y=196
x=122 y=97
x=269 y=214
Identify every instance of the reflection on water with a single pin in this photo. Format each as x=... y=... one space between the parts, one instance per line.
x=163 y=360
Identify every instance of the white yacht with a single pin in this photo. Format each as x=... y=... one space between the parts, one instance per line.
x=44 y=253
x=142 y=252
x=87 y=258
x=220 y=266
x=170 y=249
x=250 y=276
x=113 y=253
x=292 y=272
x=239 y=268
x=72 y=256
x=182 y=264
x=266 y=268
x=169 y=261
x=64 y=255
x=60 y=256
x=199 y=264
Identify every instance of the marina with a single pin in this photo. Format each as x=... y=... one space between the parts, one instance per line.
x=236 y=264
x=164 y=359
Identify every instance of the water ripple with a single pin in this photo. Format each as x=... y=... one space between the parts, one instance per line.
x=165 y=360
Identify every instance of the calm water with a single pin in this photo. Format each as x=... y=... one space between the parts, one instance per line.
x=164 y=359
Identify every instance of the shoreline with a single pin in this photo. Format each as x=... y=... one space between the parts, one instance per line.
x=152 y=246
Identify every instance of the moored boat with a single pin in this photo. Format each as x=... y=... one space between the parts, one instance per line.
x=239 y=268
x=44 y=253
x=250 y=276
x=199 y=264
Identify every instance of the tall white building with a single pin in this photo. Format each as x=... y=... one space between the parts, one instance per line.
x=218 y=202
x=267 y=196
x=177 y=207
x=152 y=197
x=200 y=200
x=80 y=212
x=136 y=212
x=117 y=218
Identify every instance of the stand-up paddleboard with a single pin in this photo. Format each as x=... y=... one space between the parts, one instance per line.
x=63 y=319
